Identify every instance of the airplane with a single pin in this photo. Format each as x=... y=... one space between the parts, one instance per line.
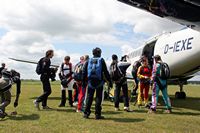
x=185 y=12
x=180 y=49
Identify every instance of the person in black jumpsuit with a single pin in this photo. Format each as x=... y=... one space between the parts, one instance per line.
x=45 y=76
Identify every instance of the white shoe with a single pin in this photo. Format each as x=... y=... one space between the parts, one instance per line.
x=116 y=109
x=78 y=111
x=37 y=105
x=75 y=104
x=126 y=109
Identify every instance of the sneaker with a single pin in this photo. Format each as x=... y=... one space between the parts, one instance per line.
x=85 y=116
x=127 y=109
x=46 y=107
x=2 y=115
x=117 y=109
x=168 y=111
x=78 y=111
x=151 y=111
x=147 y=106
x=37 y=105
x=61 y=105
x=97 y=117
x=75 y=103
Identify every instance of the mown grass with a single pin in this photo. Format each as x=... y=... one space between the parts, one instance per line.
x=184 y=119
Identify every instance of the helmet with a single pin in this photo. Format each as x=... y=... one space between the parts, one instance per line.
x=114 y=57
x=96 y=52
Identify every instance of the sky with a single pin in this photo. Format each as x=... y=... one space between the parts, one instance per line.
x=28 y=28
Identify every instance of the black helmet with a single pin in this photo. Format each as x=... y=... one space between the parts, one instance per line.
x=96 y=52
x=67 y=58
x=114 y=57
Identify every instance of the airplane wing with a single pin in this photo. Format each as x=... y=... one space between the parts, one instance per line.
x=185 y=12
x=31 y=62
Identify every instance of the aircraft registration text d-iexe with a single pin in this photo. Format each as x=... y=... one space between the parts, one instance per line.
x=180 y=45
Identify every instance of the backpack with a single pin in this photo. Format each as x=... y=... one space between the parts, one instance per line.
x=164 y=71
x=78 y=72
x=39 y=67
x=5 y=85
x=95 y=69
x=115 y=72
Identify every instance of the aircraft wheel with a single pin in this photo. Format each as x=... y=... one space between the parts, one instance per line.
x=177 y=95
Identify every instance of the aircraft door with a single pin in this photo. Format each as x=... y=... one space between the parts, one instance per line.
x=148 y=51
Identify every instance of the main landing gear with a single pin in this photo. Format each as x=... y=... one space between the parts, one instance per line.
x=181 y=94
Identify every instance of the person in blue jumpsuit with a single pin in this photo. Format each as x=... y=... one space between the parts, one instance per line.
x=159 y=84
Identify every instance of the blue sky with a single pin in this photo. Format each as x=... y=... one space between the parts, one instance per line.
x=3 y=31
x=122 y=32
x=86 y=48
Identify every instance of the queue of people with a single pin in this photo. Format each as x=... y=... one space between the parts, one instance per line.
x=88 y=77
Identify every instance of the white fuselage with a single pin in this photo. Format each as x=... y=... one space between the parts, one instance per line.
x=181 y=50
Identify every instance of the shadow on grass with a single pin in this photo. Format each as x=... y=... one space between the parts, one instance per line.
x=24 y=117
x=185 y=113
x=49 y=98
x=188 y=103
x=111 y=104
x=60 y=109
x=112 y=112
x=126 y=120
x=66 y=110
x=140 y=111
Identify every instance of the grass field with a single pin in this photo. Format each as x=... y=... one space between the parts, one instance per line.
x=184 y=119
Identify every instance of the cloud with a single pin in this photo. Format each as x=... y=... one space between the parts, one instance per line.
x=77 y=18
x=34 y=26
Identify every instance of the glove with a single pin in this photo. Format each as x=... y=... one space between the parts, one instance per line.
x=15 y=104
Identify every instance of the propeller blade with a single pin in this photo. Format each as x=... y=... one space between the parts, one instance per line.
x=27 y=61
